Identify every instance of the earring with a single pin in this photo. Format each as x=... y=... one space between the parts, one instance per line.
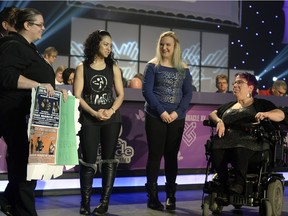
x=249 y=95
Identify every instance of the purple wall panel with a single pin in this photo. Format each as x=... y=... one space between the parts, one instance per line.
x=132 y=145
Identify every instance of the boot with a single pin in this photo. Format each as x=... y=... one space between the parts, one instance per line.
x=87 y=172
x=153 y=201
x=170 y=190
x=108 y=169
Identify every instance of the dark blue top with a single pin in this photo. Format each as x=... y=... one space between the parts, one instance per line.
x=166 y=89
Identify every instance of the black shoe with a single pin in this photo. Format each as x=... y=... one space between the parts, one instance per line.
x=236 y=188
x=84 y=210
x=171 y=203
x=7 y=210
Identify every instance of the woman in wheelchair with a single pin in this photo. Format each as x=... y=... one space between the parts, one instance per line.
x=234 y=143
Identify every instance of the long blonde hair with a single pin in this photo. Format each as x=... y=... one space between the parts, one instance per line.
x=177 y=61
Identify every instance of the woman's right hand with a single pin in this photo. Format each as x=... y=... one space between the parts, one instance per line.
x=166 y=117
x=220 y=129
x=49 y=88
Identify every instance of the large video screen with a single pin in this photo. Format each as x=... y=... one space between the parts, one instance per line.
x=134 y=45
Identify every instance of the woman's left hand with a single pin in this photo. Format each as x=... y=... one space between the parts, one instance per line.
x=65 y=94
x=108 y=113
x=261 y=115
x=173 y=116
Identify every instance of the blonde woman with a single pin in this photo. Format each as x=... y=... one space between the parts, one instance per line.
x=167 y=89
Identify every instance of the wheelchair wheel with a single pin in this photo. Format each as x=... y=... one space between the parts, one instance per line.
x=214 y=207
x=205 y=207
x=275 y=196
x=265 y=208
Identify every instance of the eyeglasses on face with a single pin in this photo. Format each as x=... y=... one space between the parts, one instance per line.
x=41 y=25
x=239 y=82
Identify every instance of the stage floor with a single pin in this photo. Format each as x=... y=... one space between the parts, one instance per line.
x=134 y=204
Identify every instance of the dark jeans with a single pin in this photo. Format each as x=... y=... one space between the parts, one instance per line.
x=163 y=140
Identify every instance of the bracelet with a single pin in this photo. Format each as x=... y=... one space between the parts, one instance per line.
x=39 y=84
x=113 y=110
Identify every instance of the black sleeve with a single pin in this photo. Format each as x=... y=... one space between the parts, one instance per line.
x=12 y=64
x=262 y=105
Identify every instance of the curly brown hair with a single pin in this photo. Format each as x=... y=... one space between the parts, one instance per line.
x=91 y=47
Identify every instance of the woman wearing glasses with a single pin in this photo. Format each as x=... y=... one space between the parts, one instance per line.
x=21 y=69
x=233 y=143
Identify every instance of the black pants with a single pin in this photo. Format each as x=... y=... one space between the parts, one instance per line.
x=239 y=158
x=163 y=140
x=105 y=135
x=19 y=192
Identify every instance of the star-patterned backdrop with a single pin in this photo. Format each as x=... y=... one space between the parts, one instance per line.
x=259 y=44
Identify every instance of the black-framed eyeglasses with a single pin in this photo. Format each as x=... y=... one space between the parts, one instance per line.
x=239 y=82
x=41 y=25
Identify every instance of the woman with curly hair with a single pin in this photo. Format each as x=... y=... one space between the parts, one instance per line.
x=100 y=119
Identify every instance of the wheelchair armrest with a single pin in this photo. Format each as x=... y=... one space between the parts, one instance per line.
x=208 y=123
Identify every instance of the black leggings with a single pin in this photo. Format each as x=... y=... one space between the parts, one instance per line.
x=240 y=158
x=105 y=135
x=163 y=139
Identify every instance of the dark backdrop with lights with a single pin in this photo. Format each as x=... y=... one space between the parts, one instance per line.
x=256 y=40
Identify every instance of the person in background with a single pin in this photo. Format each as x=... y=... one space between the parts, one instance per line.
x=50 y=55
x=278 y=88
x=167 y=89
x=68 y=76
x=222 y=83
x=95 y=81
x=136 y=81
x=234 y=143
x=21 y=69
x=124 y=80
x=7 y=19
x=59 y=75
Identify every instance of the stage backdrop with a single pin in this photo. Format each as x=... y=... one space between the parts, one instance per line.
x=132 y=146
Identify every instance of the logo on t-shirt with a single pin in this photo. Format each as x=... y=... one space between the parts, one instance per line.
x=98 y=83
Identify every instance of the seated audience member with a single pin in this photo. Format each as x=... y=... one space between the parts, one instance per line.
x=136 y=81
x=50 y=55
x=68 y=76
x=59 y=75
x=222 y=83
x=125 y=81
x=233 y=143
x=278 y=88
x=7 y=19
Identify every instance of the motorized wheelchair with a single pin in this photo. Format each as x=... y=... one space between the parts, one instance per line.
x=264 y=187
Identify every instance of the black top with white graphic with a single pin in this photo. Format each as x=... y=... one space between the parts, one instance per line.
x=98 y=93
